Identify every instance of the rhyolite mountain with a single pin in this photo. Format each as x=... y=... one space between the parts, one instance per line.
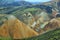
x=15 y=30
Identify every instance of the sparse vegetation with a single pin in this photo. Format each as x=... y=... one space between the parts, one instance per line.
x=4 y=38
x=51 y=35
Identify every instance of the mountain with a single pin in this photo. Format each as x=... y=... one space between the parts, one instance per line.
x=9 y=3
x=34 y=3
x=53 y=24
x=55 y=4
x=49 y=25
x=15 y=29
x=5 y=2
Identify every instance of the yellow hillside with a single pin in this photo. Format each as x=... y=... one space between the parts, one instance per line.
x=16 y=29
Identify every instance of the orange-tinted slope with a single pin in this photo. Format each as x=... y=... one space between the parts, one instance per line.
x=16 y=29
x=4 y=30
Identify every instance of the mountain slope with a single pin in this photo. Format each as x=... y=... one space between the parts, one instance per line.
x=51 y=35
x=54 y=23
x=16 y=29
x=10 y=3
